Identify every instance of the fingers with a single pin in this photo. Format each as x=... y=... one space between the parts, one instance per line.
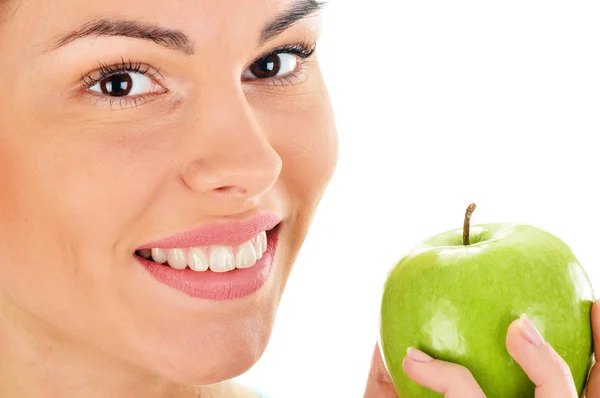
x=542 y=364
x=379 y=382
x=454 y=381
x=593 y=387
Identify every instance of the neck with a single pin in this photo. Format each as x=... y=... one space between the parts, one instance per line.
x=39 y=363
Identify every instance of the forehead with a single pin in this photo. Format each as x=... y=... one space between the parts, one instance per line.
x=203 y=20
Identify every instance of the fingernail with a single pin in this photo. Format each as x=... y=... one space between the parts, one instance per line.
x=417 y=355
x=529 y=331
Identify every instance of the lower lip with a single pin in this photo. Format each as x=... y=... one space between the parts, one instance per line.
x=215 y=285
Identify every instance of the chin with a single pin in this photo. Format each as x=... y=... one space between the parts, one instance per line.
x=198 y=342
x=207 y=353
x=210 y=364
x=221 y=370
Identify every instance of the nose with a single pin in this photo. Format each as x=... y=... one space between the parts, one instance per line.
x=232 y=156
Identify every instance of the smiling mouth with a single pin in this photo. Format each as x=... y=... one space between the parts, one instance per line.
x=215 y=258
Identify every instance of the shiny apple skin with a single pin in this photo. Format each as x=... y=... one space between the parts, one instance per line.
x=455 y=303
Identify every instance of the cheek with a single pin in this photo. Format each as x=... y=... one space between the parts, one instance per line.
x=36 y=261
x=308 y=145
x=98 y=181
x=64 y=205
x=69 y=190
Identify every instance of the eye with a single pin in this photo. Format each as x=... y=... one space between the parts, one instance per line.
x=274 y=65
x=126 y=84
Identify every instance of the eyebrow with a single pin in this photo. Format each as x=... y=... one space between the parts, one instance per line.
x=299 y=11
x=177 y=40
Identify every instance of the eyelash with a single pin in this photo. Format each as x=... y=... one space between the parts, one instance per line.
x=302 y=50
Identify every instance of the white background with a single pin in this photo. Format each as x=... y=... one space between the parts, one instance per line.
x=439 y=104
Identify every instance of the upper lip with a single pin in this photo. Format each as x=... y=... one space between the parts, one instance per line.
x=231 y=233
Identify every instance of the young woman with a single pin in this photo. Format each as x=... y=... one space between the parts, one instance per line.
x=160 y=164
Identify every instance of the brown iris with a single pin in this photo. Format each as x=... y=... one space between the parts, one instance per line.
x=266 y=67
x=117 y=85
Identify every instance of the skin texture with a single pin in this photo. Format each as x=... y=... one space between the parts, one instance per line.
x=85 y=182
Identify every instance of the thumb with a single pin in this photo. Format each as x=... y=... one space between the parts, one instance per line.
x=379 y=382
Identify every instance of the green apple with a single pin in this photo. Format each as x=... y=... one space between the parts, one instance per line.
x=455 y=295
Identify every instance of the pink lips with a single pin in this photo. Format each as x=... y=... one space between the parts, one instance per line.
x=211 y=285
x=227 y=234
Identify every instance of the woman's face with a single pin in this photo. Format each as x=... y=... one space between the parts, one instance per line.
x=125 y=122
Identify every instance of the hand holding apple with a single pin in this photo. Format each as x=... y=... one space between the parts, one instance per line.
x=455 y=299
x=452 y=380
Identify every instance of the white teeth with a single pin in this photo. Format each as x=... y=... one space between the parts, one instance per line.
x=262 y=237
x=215 y=258
x=197 y=259
x=260 y=244
x=177 y=259
x=258 y=249
x=245 y=256
x=221 y=259
x=159 y=256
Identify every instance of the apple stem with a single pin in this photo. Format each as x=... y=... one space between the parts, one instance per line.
x=467 y=225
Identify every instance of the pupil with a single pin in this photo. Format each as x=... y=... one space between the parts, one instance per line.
x=117 y=85
x=267 y=67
